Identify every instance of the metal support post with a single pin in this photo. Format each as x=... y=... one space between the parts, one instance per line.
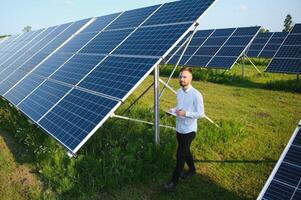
x=156 y=105
x=243 y=68
x=253 y=64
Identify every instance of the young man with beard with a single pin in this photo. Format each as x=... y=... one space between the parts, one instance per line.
x=189 y=108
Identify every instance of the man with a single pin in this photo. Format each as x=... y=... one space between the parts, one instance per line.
x=189 y=108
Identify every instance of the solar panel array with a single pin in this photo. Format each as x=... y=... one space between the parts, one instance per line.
x=70 y=78
x=288 y=57
x=218 y=48
x=285 y=180
x=266 y=45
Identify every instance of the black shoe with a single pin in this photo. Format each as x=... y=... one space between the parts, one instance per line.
x=169 y=187
x=187 y=174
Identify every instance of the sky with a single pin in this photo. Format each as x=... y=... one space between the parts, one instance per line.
x=270 y=14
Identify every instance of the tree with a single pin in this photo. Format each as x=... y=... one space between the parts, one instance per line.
x=27 y=29
x=288 y=23
x=264 y=30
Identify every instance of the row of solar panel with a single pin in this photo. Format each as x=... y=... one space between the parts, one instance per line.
x=70 y=78
x=266 y=45
x=285 y=180
x=288 y=57
x=218 y=48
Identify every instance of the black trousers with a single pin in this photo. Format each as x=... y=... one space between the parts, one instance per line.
x=183 y=155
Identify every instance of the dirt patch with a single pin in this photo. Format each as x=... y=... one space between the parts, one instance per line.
x=262 y=115
x=18 y=178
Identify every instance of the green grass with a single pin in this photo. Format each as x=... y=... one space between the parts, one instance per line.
x=257 y=116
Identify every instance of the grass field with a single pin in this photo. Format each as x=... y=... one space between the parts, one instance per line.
x=257 y=117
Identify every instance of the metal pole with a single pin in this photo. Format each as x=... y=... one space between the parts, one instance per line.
x=156 y=105
x=243 y=67
x=179 y=60
x=253 y=64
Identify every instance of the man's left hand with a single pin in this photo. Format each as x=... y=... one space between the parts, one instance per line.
x=181 y=113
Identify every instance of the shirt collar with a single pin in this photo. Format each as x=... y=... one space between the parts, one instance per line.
x=188 y=89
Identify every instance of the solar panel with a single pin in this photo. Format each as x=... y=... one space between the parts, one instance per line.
x=285 y=179
x=132 y=18
x=179 y=11
x=115 y=76
x=19 y=43
x=288 y=56
x=273 y=45
x=266 y=45
x=75 y=89
x=106 y=41
x=25 y=50
x=219 y=48
x=152 y=41
x=76 y=116
x=13 y=74
x=6 y=42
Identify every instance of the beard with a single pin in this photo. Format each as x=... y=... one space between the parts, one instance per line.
x=183 y=84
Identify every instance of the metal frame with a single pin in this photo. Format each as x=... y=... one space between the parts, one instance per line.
x=271 y=177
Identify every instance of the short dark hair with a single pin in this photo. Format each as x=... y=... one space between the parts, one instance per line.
x=188 y=69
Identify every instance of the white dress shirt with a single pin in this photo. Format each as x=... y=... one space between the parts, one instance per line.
x=190 y=101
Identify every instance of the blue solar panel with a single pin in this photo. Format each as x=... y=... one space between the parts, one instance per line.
x=42 y=99
x=132 y=18
x=16 y=95
x=152 y=41
x=17 y=60
x=285 y=180
x=288 y=57
x=10 y=81
x=179 y=11
x=215 y=41
x=100 y=23
x=77 y=42
x=175 y=59
x=293 y=39
x=282 y=65
x=222 y=62
x=74 y=119
x=225 y=44
x=272 y=46
x=51 y=64
x=196 y=61
x=11 y=76
x=296 y=29
x=223 y=32
x=245 y=31
x=76 y=68
x=207 y=51
x=258 y=44
x=106 y=41
x=239 y=41
x=67 y=33
x=231 y=51
x=116 y=76
x=24 y=50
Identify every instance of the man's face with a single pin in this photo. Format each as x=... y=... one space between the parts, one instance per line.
x=185 y=78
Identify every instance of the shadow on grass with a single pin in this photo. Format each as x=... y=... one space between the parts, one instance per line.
x=237 y=161
x=198 y=187
x=20 y=153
